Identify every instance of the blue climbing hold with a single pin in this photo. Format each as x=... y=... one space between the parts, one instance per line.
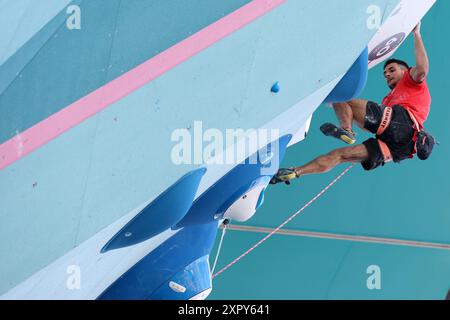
x=276 y=87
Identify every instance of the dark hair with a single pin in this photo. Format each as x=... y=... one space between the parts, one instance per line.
x=400 y=62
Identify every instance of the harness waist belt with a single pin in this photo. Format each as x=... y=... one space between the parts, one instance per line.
x=385 y=120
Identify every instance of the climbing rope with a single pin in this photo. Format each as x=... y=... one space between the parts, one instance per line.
x=279 y=227
x=224 y=223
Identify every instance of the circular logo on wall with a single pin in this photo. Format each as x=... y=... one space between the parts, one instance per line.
x=386 y=46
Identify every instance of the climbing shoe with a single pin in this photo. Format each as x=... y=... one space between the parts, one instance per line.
x=284 y=175
x=331 y=130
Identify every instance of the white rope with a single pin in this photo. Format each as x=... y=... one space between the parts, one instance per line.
x=220 y=246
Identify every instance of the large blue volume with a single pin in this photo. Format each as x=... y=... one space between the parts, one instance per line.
x=353 y=81
x=162 y=213
x=213 y=203
x=182 y=259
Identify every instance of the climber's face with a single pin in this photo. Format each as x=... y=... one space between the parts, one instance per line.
x=393 y=74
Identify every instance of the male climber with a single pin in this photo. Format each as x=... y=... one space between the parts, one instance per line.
x=396 y=122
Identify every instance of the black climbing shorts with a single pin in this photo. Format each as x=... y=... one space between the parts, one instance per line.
x=398 y=136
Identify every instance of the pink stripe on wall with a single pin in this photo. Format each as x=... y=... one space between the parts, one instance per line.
x=63 y=120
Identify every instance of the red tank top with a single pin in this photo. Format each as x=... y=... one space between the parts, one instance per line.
x=414 y=97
